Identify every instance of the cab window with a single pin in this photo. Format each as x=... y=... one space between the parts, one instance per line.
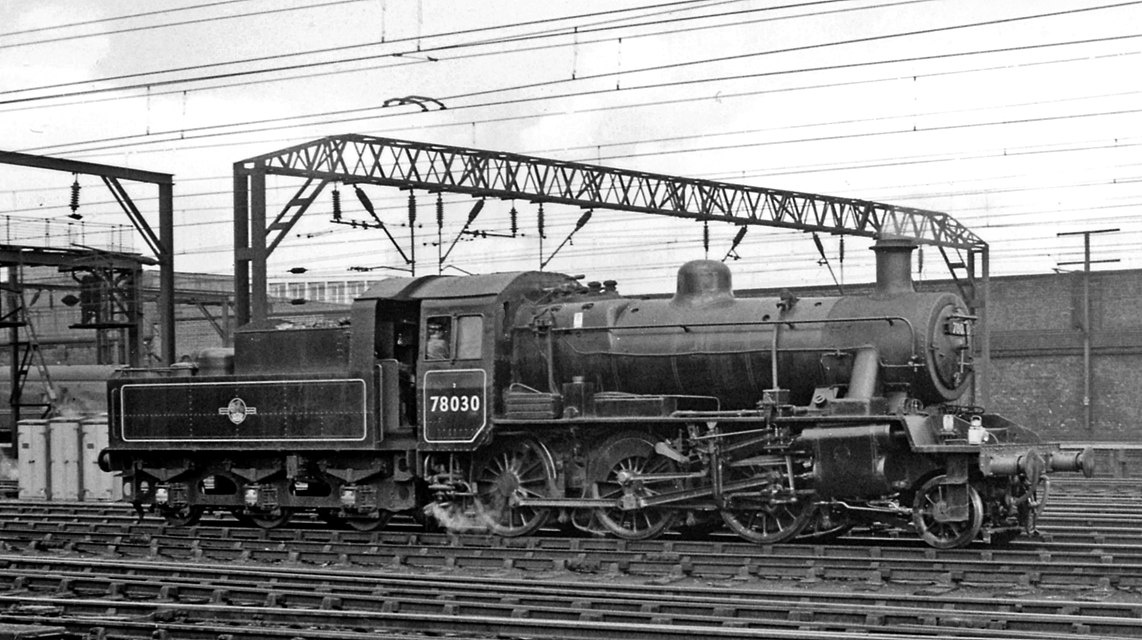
x=470 y=337
x=438 y=338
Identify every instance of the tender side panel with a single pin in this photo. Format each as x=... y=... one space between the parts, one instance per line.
x=274 y=412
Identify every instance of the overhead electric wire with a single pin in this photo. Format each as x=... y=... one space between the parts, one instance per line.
x=862 y=40
x=676 y=240
x=913 y=160
x=303 y=7
x=792 y=127
x=129 y=16
x=399 y=201
x=690 y=99
x=586 y=251
x=189 y=133
x=1130 y=111
x=342 y=48
x=643 y=142
x=151 y=93
x=821 y=45
x=401 y=60
x=993 y=216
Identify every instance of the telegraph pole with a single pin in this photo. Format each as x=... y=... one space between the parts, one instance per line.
x=1086 y=262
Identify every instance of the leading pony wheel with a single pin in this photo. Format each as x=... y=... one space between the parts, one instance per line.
x=929 y=515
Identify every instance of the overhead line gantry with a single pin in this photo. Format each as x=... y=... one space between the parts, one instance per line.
x=360 y=159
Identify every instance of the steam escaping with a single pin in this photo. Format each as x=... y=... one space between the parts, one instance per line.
x=455 y=519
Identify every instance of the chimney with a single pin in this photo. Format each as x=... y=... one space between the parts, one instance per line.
x=894 y=265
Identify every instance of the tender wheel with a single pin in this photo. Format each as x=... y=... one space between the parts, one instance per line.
x=184 y=516
x=331 y=517
x=240 y=515
x=931 y=503
x=770 y=513
x=269 y=520
x=375 y=522
x=617 y=461
x=513 y=467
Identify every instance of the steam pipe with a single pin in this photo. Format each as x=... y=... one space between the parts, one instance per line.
x=866 y=366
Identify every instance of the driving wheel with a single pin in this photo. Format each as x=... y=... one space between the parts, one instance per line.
x=513 y=468
x=771 y=512
x=624 y=468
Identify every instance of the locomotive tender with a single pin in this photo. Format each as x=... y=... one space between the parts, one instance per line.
x=515 y=398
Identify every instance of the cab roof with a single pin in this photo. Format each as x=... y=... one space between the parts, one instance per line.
x=446 y=287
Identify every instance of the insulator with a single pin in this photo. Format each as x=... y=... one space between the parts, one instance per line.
x=706 y=235
x=439 y=212
x=476 y=209
x=515 y=221
x=820 y=246
x=540 y=221
x=411 y=209
x=75 y=195
x=337 y=205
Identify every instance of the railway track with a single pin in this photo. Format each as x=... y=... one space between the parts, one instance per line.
x=1069 y=520
x=871 y=564
x=195 y=601
x=94 y=569
x=1049 y=561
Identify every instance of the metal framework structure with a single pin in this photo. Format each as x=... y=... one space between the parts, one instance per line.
x=360 y=159
x=161 y=245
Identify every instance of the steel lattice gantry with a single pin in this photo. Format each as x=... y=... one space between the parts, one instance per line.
x=360 y=159
x=160 y=244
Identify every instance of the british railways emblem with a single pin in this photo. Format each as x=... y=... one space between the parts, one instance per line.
x=237 y=411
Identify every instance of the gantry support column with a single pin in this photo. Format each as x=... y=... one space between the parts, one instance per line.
x=250 y=251
x=241 y=245
x=166 y=274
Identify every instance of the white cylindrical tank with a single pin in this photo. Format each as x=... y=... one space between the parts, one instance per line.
x=63 y=448
x=97 y=485
x=33 y=459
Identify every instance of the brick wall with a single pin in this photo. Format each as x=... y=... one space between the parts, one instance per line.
x=1037 y=374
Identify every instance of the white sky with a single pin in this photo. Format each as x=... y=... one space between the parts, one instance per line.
x=1019 y=129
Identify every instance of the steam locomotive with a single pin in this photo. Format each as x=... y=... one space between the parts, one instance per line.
x=517 y=399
